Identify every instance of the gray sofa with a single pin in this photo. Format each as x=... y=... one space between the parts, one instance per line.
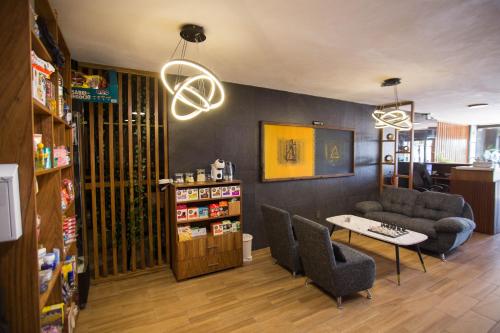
x=446 y=219
x=282 y=241
x=338 y=276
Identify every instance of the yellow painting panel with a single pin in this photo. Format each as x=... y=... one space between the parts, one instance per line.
x=288 y=151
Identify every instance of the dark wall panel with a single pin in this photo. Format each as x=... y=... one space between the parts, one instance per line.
x=233 y=133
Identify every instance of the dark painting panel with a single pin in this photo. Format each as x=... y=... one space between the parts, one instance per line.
x=334 y=152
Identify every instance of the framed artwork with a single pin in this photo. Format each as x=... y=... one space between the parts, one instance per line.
x=294 y=151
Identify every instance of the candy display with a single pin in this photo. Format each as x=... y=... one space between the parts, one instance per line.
x=61 y=156
x=67 y=194
x=69 y=230
x=52 y=318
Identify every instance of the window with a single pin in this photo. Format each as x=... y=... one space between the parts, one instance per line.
x=488 y=143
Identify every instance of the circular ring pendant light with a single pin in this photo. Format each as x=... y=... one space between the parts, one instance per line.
x=199 y=92
x=393 y=116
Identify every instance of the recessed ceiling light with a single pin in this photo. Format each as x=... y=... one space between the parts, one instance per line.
x=477 y=106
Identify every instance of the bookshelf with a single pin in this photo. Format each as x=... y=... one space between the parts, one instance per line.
x=206 y=253
x=23 y=116
x=391 y=147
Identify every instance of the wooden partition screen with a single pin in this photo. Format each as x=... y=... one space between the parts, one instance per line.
x=452 y=143
x=124 y=155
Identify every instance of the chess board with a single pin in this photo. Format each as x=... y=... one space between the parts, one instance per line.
x=389 y=232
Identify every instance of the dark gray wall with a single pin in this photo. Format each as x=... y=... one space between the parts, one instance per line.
x=232 y=133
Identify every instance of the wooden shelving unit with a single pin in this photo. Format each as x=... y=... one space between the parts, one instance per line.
x=40 y=189
x=204 y=254
x=394 y=150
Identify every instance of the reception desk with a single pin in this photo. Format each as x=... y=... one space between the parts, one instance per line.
x=481 y=189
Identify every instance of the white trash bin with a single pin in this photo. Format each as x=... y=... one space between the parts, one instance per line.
x=247 y=247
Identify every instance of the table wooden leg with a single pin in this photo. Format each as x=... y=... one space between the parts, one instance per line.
x=349 y=236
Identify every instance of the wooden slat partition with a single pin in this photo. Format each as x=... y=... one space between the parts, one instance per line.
x=123 y=224
x=125 y=205
x=157 y=176
x=452 y=143
x=131 y=174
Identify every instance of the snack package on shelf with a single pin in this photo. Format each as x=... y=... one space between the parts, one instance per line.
x=216 y=228
x=67 y=193
x=61 y=156
x=184 y=233
x=41 y=72
x=181 y=213
x=223 y=208
x=52 y=318
x=69 y=230
x=213 y=210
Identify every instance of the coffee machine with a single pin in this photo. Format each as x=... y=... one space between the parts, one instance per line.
x=217 y=170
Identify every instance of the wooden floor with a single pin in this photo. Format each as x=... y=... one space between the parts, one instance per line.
x=460 y=295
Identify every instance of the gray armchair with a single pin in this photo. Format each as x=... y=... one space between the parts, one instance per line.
x=355 y=274
x=283 y=245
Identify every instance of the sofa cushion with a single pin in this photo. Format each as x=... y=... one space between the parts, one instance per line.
x=399 y=200
x=424 y=226
x=368 y=206
x=436 y=206
x=386 y=217
x=455 y=225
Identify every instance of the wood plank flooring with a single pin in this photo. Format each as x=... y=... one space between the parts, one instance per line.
x=459 y=295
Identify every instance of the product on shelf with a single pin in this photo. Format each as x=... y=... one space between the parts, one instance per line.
x=236 y=226
x=223 y=208
x=43 y=157
x=192 y=213
x=61 y=156
x=216 y=228
x=213 y=209
x=51 y=100
x=181 y=213
x=203 y=212
x=225 y=191
x=198 y=231
x=52 y=318
x=69 y=230
x=235 y=190
x=216 y=192
x=204 y=193
x=181 y=195
x=192 y=194
x=60 y=94
x=227 y=226
x=234 y=207
x=37 y=138
x=184 y=233
x=67 y=194
x=41 y=72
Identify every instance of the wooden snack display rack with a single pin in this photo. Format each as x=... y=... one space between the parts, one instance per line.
x=204 y=254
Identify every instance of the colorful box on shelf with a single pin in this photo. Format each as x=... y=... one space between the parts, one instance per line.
x=192 y=194
x=181 y=195
x=215 y=192
x=41 y=72
x=181 y=213
x=225 y=191
x=235 y=191
x=203 y=212
x=204 y=193
x=192 y=213
x=216 y=228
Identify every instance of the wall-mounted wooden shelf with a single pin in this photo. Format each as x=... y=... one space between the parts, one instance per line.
x=40 y=109
x=41 y=172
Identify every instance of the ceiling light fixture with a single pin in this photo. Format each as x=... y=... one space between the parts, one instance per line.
x=201 y=91
x=477 y=106
x=392 y=116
